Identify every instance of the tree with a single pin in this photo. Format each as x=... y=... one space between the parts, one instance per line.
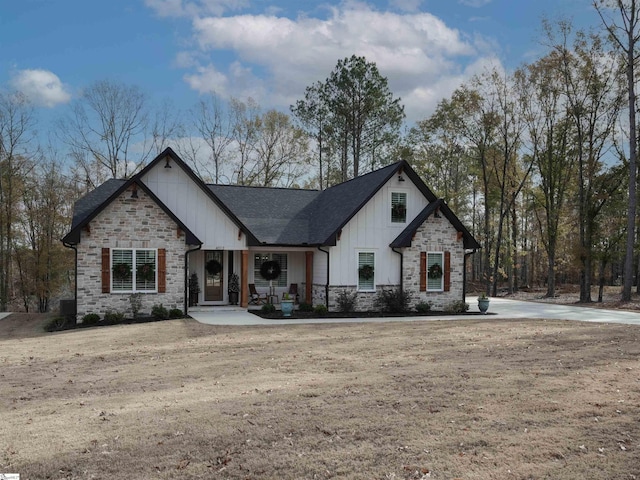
x=41 y=259
x=593 y=95
x=625 y=36
x=313 y=114
x=281 y=151
x=549 y=134
x=16 y=128
x=105 y=123
x=364 y=119
x=216 y=129
x=440 y=155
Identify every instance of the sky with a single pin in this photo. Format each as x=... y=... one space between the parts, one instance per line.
x=269 y=50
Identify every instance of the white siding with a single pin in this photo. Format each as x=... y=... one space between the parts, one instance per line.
x=371 y=230
x=194 y=208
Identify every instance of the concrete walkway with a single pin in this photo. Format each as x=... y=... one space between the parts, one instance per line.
x=500 y=308
x=4 y=314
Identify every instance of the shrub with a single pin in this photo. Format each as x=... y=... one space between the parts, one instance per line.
x=135 y=299
x=175 y=313
x=159 y=312
x=320 y=310
x=423 y=307
x=91 y=319
x=55 y=324
x=394 y=300
x=113 y=317
x=457 y=307
x=268 y=308
x=305 y=307
x=346 y=302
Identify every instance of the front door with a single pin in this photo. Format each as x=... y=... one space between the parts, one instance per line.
x=213 y=275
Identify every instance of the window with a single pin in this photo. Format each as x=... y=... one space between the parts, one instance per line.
x=366 y=271
x=281 y=259
x=435 y=271
x=398 y=207
x=133 y=270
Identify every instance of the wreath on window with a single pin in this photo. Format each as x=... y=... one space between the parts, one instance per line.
x=145 y=272
x=121 y=271
x=213 y=267
x=270 y=270
x=435 y=271
x=366 y=272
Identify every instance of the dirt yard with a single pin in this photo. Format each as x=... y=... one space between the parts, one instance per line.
x=477 y=399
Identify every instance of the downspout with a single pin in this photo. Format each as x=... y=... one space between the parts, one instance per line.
x=464 y=274
x=326 y=287
x=75 y=279
x=186 y=276
x=393 y=249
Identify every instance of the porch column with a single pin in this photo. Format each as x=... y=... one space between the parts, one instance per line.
x=244 y=275
x=309 y=278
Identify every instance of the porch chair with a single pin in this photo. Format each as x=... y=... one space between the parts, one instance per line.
x=256 y=298
x=293 y=292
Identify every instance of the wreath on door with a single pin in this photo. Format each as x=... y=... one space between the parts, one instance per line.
x=270 y=270
x=213 y=267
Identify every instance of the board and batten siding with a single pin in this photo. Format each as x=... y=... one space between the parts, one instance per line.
x=195 y=208
x=371 y=230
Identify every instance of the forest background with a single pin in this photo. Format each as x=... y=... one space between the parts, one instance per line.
x=539 y=162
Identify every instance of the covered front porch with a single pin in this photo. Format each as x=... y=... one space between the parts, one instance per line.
x=212 y=272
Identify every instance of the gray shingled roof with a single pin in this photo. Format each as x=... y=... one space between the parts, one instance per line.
x=280 y=216
x=275 y=216
x=86 y=205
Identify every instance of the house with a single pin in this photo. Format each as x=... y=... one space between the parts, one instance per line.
x=150 y=233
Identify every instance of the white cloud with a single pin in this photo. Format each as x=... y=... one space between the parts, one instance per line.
x=41 y=87
x=275 y=57
x=208 y=79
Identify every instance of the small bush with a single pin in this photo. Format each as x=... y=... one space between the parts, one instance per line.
x=268 y=308
x=159 y=312
x=457 y=307
x=423 y=307
x=320 y=310
x=393 y=301
x=113 y=318
x=346 y=302
x=305 y=307
x=175 y=313
x=91 y=319
x=55 y=324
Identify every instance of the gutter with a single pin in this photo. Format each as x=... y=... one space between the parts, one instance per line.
x=393 y=249
x=186 y=276
x=464 y=274
x=75 y=279
x=326 y=287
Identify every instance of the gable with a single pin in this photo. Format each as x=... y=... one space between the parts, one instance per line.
x=91 y=205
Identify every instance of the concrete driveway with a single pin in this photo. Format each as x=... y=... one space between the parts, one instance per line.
x=500 y=308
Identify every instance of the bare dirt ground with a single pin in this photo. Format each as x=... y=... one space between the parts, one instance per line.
x=467 y=399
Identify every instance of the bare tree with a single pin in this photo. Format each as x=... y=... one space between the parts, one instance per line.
x=216 y=129
x=625 y=36
x=16 y=124
x=105 y=123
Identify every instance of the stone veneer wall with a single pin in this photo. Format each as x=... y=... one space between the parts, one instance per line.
x=129 y=223
x=434 y=235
